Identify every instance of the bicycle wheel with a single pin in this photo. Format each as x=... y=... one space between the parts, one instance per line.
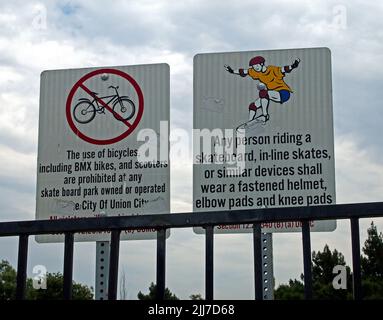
x=84 y=112
x=124 y=109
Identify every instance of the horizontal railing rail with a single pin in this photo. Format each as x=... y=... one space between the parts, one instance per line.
x=184 y=220
x=207 y=219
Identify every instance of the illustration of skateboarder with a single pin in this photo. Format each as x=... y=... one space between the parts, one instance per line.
x=271 y=86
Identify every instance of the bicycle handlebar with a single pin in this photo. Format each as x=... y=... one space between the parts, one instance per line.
x=113 y=87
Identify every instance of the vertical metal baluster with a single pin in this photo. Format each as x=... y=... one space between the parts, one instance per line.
x=68 y=265
x=355 y=241
x=161 y=263
x=22 y=267
x=209 y=263
x=306 y=242
x=257 y=247
x=113 y=264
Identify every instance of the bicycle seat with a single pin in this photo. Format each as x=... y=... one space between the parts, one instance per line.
x=94 y=93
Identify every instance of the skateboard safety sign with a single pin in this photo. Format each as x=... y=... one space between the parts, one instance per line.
x=268 y=120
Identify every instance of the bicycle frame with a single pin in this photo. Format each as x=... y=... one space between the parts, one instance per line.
x=100 y=108
x=88 y=108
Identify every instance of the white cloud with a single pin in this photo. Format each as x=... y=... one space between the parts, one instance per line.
x=17 y=169
x=359 y=174
x=96 y=33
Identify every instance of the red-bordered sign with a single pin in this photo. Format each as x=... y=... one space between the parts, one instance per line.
x=79 y=85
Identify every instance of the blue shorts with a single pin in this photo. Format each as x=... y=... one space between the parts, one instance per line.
x=285 y=95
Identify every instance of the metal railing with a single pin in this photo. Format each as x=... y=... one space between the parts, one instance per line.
x=161 y=222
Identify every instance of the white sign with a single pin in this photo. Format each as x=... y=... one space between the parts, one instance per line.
x=263 y=133
x=92 y=125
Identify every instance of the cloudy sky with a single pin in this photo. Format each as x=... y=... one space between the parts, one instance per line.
x=43 y=35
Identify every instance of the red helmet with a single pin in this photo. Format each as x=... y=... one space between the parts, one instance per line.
x=256 y=60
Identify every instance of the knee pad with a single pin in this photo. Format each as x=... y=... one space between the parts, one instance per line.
x=252 y=106
x=263 y=94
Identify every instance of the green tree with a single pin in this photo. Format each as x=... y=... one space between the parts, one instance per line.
x=197 y=296
x=54 y=289
x=323 y=264
x=372 y=262
x=152 y=294
x=372 y=265
x=7 y=281
x=292 y=291
x=322 y=272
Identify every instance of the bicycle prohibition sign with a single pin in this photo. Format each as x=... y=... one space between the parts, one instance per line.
x=122 y=107
x=86 y=109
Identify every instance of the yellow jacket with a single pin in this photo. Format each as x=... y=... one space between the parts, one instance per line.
x=272 y=78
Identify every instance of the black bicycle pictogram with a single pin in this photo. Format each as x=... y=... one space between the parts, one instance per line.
x=123 y=107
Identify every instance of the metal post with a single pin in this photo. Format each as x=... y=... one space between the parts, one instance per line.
x=102 y=269
x=113 y=264
x=355 y=241
x=68 y=265
x=209 y=263
x=22 y=267
x=267 y=266
x=258 y=272
x=161 y=263
x=307 y=260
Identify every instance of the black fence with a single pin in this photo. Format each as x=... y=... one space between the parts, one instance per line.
x=161 y=222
